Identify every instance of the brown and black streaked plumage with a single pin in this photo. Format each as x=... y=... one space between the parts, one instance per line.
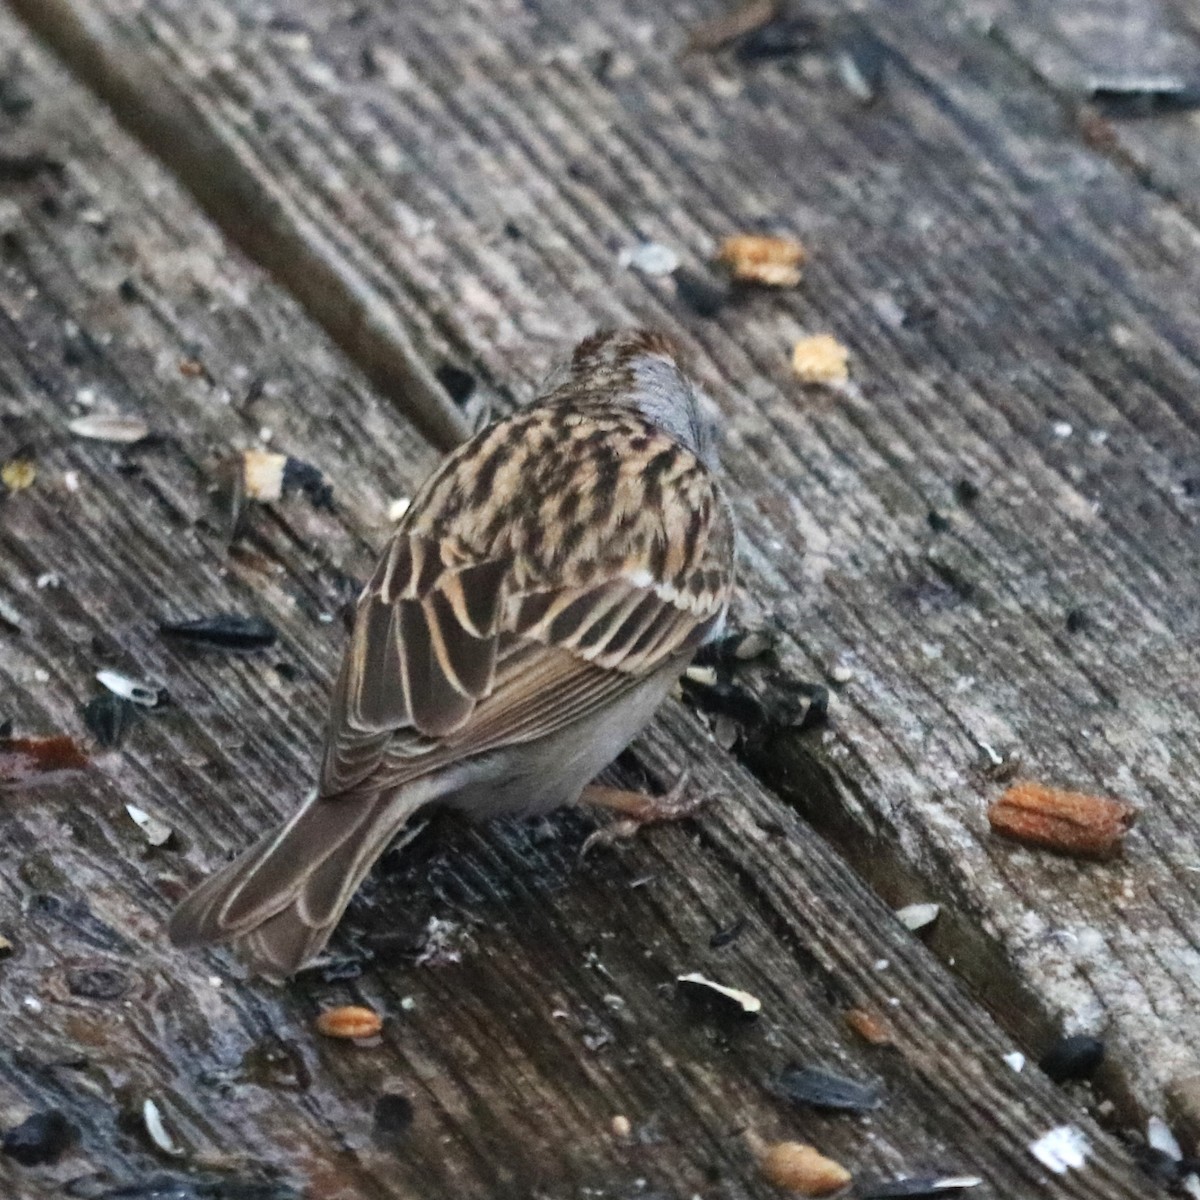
x=538 y=599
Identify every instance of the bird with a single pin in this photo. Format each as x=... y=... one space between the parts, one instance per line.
x=533 y=607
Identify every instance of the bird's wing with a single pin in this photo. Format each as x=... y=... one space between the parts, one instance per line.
x=448 y=660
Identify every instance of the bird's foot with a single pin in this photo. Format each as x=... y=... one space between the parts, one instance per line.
x=635 y=809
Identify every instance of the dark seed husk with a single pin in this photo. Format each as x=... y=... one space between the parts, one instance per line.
x=393 y=1116
x=225 y=630
x=1073 y=1058
x=304 y=477
x=775 y=39
x=41 y=1138
x=723 y=937
x=819 y=1088
x=457 y=382
x=108 y=718
x=704 y=295
x=98 y=983
x=717 y=999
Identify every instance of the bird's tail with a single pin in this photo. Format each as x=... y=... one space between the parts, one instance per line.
x=280 y=900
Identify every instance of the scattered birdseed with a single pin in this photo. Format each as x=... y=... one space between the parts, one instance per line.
x=398 y=508
x=48 y=579
x=728 y=935
x=351 y=1021
x=108 y=718
x=802 y=1169
x=22 y=758
x=727 y=1000
x=1070 y=822
x=262 y=475
x=869 y=1027
x=917 y=916
x=777 y=39
x=128 y=689
x=729 y=26
x=158 y=833
x=98 y=983
x=919 y=1187
x=650 y=258
x=152 y=1117
x=225 y=630
x=1015 y=1060
x=758 y=258
x=6 y=948
x=818 y=1088
x=621 y=1127
x=18 y=474
x=820 y=358
x=39 y=1139
x=1061 y=1149
x=109 y=427
x=1075 y=1057
x=704 y=676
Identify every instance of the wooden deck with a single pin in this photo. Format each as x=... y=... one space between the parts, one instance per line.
x=281 y=227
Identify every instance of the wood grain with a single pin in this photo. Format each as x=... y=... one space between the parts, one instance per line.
x=548 y=1005
x=1018 y=309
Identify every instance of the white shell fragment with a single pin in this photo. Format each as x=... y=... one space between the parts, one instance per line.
x=157 y=832
x=262 y=473
x=750 y=1005
x=128 y=689
x=704 y=676
x=1062 y=1149
x=158 y=1131
x=109 y=427
x=917 y=916
x=1016 y=1060
x=398 y=508
x=1160 y=1138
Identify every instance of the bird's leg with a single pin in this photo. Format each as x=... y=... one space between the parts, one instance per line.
x=635 y=809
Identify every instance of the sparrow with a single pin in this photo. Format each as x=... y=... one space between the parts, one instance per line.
x=535 y=604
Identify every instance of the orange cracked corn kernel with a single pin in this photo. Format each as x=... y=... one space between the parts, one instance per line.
x=1070 y=822
x=802 y=1169
x=349 y=1021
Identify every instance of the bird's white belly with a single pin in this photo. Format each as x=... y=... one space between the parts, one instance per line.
x=536 y=777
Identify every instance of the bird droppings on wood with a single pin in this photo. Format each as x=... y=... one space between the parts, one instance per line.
x=860 y=59
x=802 y=1169
x=349 y=1021
x=1075 y=1057
x=24 y=758
x=42 y=1138
x=814 y=1087
x=762 y=259
x=717 y=998
x=110 y=427
x=821 y=359
x=1072 y=823
x=224 y=631
x=650 y=258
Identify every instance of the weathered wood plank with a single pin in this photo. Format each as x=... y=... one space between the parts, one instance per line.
x=561 y=1013
x=1130 y=71
x=1019 y=314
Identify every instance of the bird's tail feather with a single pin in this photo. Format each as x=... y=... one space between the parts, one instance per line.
x=280 y=900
